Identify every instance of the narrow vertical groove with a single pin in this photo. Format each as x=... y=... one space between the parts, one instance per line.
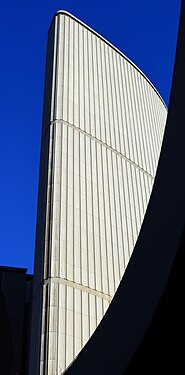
x=110 y=99
x=142 y=190
x=81 y=319
x=86 y=210
x=93 y=215
x=103 y=93
x=121 y=217
x=134 y=112
x=47 y=337
x=84 y=72
x=156 y=113
x=145 y=133
x=55 y=64
x=142 y=138
x=113 y=123
x=87 y=250
x=148 y=129
x=109 y=140
x=99 y=231
x=101 y=90
x=116 y=88
x=87 y=84
x=154 y=125
x=73 y=255
x=74 y=74
x=151 y=121
x=158 y=132
x=145 y=190
x=103 y=182
x=93 y=88
x=59 y=224
x=116 y=219
x=59 y=257
x=89 y=79
x=122 y=70
x=134 y=201
x=128 y=113
x=143 y=126
x=89 y=317
x=80 y=219
x=137 y=198
x=127 y=165
x=155 y=150
x=121 y=125
x=108 y=177
x=140 y=135
x=66 y=219
x=125 y=215
x=98 y=91
x=95 y=210
x=51 y=201
x=81 y=78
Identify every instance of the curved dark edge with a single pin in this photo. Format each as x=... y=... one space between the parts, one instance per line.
x=150 y=282
x=161 y=350
x=65 y=13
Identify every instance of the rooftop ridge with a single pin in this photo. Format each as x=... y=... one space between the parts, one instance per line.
x=66 y=13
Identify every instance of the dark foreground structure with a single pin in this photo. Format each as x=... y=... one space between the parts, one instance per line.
x=143 y=330
x=15 y=308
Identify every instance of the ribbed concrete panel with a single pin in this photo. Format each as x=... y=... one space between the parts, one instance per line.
x=103 y=126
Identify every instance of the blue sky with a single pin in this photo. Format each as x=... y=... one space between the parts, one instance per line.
x=145 y=31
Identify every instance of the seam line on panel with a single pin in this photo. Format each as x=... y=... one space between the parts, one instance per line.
x=55 y=109
x=108 y=130
x=130 y=114
x=103 y=144
x=66 y=162
x=93 y=83
x=74 y=285
x=102 y=95
x=124 y=212
x=86 y=207
x=110 y=219
x=98 y=207
x=92 y=207
x=152 y=121
x=116 y=205
x=149 y=149
x=115 y=79
x=98 y=127
x=115 y=217
x=140 y=118
x=133 y=113
x=105 y=221
x=150 y=129
x=122 y=268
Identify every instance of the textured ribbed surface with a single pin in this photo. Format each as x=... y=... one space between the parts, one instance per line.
x=103 y=126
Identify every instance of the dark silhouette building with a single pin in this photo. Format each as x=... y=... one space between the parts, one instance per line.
x=15 y=308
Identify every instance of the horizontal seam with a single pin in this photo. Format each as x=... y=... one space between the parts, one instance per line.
x=72 y=284
x=103 y=144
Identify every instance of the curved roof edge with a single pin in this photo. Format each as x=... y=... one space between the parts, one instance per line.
x=64 y=12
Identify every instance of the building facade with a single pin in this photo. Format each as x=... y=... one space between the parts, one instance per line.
x=103 y=125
